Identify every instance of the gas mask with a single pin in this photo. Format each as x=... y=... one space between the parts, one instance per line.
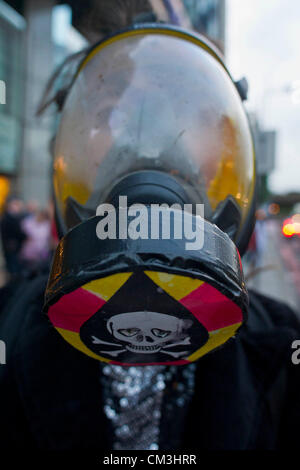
x=154 y=180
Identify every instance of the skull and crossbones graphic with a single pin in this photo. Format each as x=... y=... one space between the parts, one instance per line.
x=146 y=333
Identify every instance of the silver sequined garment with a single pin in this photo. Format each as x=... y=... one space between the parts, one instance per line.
x=134 y=402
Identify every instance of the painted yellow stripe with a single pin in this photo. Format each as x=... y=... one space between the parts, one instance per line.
x=176 y=286
x=166 y=32
x=216 y=338
x=106 y=287
x=74 y=340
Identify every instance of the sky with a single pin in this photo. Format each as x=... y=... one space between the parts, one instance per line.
x=263 y=44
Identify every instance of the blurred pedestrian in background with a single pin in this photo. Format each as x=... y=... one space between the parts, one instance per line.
x=12 y=234
x=31 y=207
x=261 y=236
x=250 y=255
x=36 y=248
x=254 y=256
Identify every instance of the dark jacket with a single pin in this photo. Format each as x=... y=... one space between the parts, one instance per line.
x=246 y=393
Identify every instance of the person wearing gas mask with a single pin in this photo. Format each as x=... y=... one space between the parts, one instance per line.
x=136 y=341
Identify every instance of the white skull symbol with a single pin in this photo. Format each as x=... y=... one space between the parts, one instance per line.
x=148 y=332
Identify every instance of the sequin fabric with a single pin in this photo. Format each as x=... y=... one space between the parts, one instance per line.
x=135 y=399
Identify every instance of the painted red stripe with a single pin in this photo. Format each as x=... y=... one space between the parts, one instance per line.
x=213 y=309
x=74 y=309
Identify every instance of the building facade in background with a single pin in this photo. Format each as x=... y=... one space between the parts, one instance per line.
x=265 y=149
x=208 y=17
x=12 y=74
x=30 y=49
x=204 y=16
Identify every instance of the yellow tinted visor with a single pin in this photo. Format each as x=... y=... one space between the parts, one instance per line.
x=154 y=99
